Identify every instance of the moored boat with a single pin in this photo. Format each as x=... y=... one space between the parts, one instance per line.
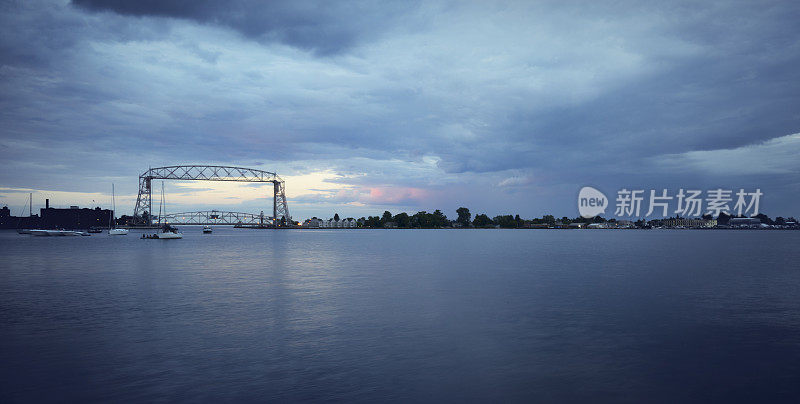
x=167 y=233
x=55 y=233
x=112 y=230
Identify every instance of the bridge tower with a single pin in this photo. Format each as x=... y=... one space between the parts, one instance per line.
x=142 y=213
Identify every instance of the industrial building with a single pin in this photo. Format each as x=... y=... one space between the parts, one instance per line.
x=57 y=218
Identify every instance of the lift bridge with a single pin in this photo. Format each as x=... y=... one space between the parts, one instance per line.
x=217 y=217
x=142 y=213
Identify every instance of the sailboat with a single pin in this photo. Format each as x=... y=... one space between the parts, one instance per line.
x=45 y=232
x=30 y=214
x=167 y=232
x=112 y=230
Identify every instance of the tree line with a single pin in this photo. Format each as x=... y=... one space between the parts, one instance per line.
x=437 y=219
x=464 y=218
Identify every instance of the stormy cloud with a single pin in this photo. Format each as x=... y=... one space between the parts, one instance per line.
x=322 y=27
x=504 y=108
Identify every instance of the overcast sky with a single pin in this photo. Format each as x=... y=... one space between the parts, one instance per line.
x=366 y=106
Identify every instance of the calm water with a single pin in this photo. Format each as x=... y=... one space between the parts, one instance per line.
x=422 y=315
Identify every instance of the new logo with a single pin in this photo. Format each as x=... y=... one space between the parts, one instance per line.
x=591 y=202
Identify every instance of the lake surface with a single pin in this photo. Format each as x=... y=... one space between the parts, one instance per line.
x=402 y=315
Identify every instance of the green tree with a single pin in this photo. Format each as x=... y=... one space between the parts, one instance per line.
x=463 y=216
x=421 y=219
x=336 y=217
x=402 y=219
x=505 y=221
x=549 y=219
x=482 y=220
x=373 y=222
x=387 y=217
x=439 y=219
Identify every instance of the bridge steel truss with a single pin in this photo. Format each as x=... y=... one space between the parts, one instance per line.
x=142 y=213
x=216 y=217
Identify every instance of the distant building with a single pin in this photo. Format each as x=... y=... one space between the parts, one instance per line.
x=339 y=224
x=313 y=223
x=536 y=226
x=693 y=223
x=17 y=222
x=53 y=218
x=747 y=222
x=74 y=218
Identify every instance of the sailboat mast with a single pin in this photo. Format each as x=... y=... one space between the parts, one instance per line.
x=160 y=203
x=113 y=208
x=30 y=204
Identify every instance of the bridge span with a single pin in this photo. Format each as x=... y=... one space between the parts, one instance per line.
x=143 y=212
x=217 y=217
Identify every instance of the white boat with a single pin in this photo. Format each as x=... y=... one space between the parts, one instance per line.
x=55 y=233
x=112 y=230
x=206 y=229
x=167 y=233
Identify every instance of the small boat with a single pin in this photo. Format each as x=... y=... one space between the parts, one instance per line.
x=56 y=233
x=169 y=236
x=206 y=229
x=167 y=233
x=94 y=230
x=112 y=230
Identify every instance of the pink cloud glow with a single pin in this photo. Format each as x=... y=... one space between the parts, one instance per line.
x=396 y=195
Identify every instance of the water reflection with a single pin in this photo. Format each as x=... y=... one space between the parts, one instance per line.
x=400 y=316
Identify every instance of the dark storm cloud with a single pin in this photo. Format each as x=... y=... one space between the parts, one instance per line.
x=741 y=87
x=323 y=27
x=526 y=101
